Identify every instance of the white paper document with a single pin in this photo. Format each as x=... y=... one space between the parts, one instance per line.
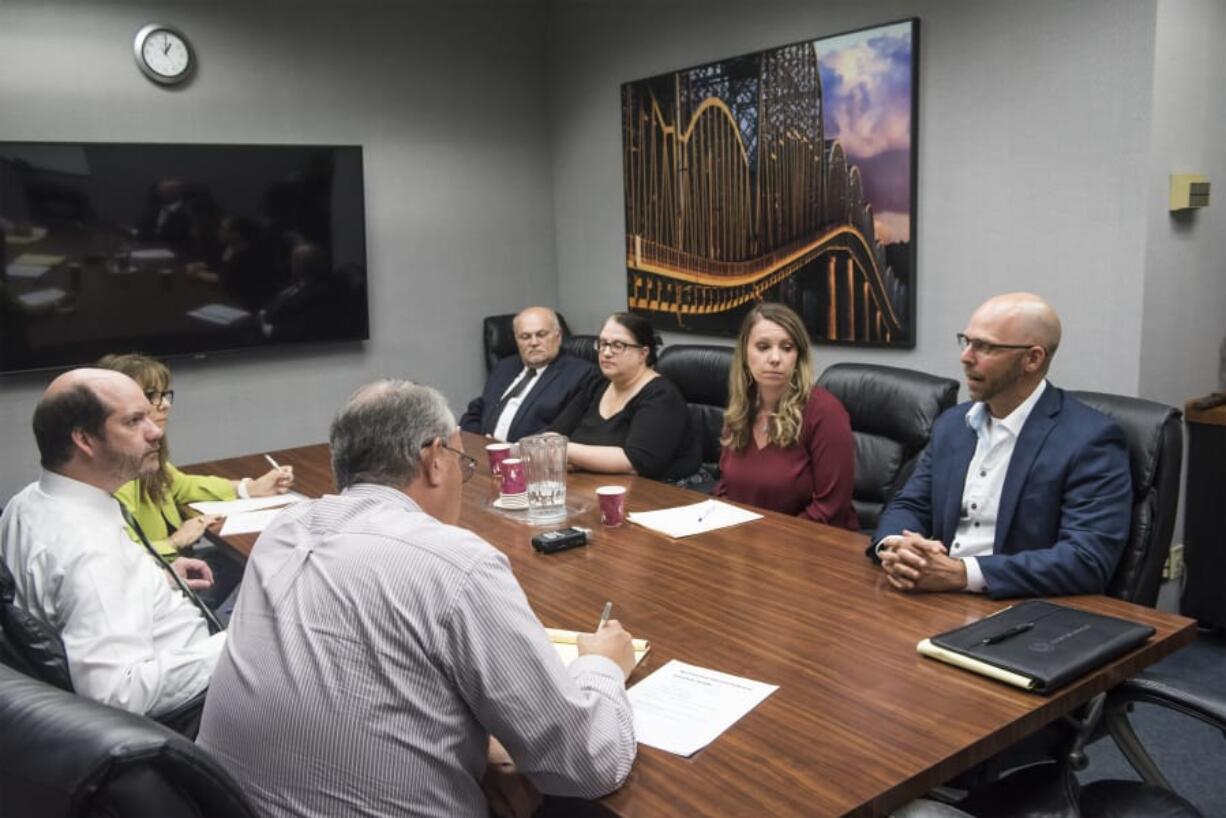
x=227 y=508
x=41 y=298
x=152 y=254
x=19 y=270
x=249 y=522
x=698 y=518
x=219 y=314
x=35 y=234
x=682 y=708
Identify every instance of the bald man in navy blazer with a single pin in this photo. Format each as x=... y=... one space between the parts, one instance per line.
x=1024 y=491
x=525 y=392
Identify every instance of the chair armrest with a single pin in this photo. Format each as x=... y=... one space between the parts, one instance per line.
x=1174 y=693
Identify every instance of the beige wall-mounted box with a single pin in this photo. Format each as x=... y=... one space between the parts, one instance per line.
x=1188 y=191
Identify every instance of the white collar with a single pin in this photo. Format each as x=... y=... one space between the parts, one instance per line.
x=60 y=487
x=980 y=419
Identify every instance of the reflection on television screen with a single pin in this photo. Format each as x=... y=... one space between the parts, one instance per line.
x=177 y=249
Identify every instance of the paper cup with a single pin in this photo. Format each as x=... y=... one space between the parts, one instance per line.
x=511 y=473
x=497 y=452
x=612 y=505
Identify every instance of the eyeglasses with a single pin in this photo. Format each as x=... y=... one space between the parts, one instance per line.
x=981 y=347
x=468 y=465
x=618 y=347
x=161 y=400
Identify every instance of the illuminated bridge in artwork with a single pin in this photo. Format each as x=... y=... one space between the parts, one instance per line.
x=747 y=200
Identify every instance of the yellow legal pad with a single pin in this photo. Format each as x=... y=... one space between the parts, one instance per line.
x=564 y=643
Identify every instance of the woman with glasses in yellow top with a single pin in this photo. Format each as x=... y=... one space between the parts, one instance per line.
x=155 y=500
x=633 y=420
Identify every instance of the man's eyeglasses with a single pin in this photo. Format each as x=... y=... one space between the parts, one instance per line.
x=468 y=465
x=618 y=347
x=161 y=400
x=981 y=347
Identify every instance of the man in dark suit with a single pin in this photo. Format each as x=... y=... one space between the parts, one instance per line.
x=525 y=392
x=1023 y=491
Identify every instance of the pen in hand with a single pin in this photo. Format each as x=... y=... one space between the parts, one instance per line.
x=272 y=462
x=604 y=615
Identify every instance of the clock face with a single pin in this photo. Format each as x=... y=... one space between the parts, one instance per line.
x=163 y=54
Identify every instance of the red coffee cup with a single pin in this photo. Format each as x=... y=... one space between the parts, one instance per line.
x=511 y=472
x=612 y=505
x=497 y=452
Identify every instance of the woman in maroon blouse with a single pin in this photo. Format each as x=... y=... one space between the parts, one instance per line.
x=787 y=443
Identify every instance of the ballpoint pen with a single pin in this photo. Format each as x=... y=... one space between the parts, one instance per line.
x=272 y=462
x=1008 y=633
x=703 y=512
x=604 y=615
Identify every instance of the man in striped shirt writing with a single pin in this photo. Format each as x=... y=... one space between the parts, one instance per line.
x=376 y=647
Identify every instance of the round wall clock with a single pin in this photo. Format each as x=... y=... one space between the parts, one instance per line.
x=164 y=54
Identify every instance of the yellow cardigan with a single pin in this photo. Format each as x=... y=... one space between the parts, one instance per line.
x=156 y=519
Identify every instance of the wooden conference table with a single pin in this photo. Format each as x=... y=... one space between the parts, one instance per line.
x=860 y=724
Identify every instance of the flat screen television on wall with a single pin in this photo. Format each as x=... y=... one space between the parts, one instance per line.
x=177 y=249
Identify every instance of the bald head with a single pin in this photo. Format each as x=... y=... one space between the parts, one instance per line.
x=538 y=335
x=1022 y=318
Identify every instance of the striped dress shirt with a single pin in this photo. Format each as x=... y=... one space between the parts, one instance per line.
x=372 y=653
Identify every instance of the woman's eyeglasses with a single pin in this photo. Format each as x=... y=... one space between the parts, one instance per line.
x=618 y=347
x=161 y=400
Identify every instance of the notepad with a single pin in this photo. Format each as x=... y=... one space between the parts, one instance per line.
x=219 y=314
x=565 y=643
x=31 y=265
x=249 y=522
x=1036 y=645
x=152 y=254
x=685 y=521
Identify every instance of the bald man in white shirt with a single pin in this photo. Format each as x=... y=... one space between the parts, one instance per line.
x=131 y=639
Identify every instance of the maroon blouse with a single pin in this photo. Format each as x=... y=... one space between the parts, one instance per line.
x=811 y=479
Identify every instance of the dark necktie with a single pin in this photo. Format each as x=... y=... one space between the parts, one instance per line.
x=514 y=392
x=215 y=625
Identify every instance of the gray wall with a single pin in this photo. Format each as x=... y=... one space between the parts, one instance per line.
x=449 y=102
x=1184 y=317
x=1033 y=147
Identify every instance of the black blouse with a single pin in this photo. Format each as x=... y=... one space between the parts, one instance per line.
x=653 y=428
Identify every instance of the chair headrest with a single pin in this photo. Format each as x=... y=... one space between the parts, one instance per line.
x=1145 y=424
x=699 y=371
x=901 y=404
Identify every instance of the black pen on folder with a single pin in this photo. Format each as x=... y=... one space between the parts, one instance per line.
x=1008 y=633
x=604 y=615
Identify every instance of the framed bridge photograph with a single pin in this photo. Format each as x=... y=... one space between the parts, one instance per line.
x=785 y=175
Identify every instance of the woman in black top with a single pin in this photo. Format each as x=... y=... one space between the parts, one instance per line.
x=633 y=420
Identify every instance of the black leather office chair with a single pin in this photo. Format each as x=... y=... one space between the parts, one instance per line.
x=65 y=755
x=34 y=649
x=581 y=346
x=892 y=411
x=1154 y=433
x=498 y=337
x=700 y=372
x=1155 y=452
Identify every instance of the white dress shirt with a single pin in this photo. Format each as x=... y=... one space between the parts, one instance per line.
x=975 y=535
x=132 y=641
x=508 y=412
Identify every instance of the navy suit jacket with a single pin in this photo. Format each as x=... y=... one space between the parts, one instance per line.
x=1065 y=508
x=560 y=381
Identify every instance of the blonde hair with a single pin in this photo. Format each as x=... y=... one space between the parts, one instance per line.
x=787 y=423
x=151 y=375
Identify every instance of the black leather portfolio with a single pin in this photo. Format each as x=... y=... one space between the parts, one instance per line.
x=1037 y=645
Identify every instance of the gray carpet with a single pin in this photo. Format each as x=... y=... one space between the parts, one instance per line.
x=1192 y=755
